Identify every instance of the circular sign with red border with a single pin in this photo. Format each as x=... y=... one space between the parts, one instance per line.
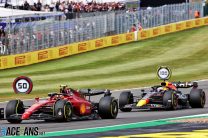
x=22 y=85
x=164 y=73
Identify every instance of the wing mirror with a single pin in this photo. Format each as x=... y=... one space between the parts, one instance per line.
x=107 y=93
x=37 y=99
x=52 y=94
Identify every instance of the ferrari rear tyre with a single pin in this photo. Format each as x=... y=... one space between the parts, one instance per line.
x=170 y=100
x=197 y=98
x=62 y=111
x=125 y=98
x=108 y=108
x=14 y=107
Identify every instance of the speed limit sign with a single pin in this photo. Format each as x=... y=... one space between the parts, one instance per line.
x=22 y=84
x=164 y=73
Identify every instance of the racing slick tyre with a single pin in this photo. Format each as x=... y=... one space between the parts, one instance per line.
x=197 y=98
x=170 y=100
x=125 y=98
x=14 y=107
x=62 y=111
x=108 y=108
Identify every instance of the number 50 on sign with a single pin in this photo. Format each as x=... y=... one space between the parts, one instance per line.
x=22 y=84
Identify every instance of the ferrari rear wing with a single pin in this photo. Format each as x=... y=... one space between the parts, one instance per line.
x=1 y=113
x=91 y=92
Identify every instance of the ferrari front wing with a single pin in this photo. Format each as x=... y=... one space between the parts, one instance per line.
x=40 y=116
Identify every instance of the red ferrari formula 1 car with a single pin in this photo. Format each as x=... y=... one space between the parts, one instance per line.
x=67 y=105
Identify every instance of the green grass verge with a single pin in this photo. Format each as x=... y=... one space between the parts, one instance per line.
x=125 y=66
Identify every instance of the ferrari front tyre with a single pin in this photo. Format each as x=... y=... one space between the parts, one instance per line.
x=197 y=98
x=125 y=98
x=14 y=107
x=170 y=100
x=108 y=108
x=62 y=111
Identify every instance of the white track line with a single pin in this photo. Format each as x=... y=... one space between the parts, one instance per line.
x=181 y=117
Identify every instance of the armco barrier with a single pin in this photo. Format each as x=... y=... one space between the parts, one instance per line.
x=144 y=34
x=173 y=27
x=12 y=61
x=189 y=24
x=167 y=29
x=129 y=37
x=205 y=21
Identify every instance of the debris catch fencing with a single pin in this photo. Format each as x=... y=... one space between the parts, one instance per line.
x=37 y=35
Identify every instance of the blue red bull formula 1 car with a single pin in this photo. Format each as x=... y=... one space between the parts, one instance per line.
x=166 y=96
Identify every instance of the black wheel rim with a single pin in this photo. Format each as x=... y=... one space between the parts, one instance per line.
x=175 y=101
x=203 y=99
x=20 y=109
x=114 y=109
x=67 y=111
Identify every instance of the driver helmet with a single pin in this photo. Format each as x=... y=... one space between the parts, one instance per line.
x=64 y=89
x=159 y=89
x=168 y=85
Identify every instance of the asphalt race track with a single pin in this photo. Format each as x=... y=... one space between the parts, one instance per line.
x=123 y=118
x=154 y=132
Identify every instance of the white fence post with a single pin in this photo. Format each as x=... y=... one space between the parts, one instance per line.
x=2 y=49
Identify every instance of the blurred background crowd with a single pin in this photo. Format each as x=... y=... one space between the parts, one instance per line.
x=71 y=6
